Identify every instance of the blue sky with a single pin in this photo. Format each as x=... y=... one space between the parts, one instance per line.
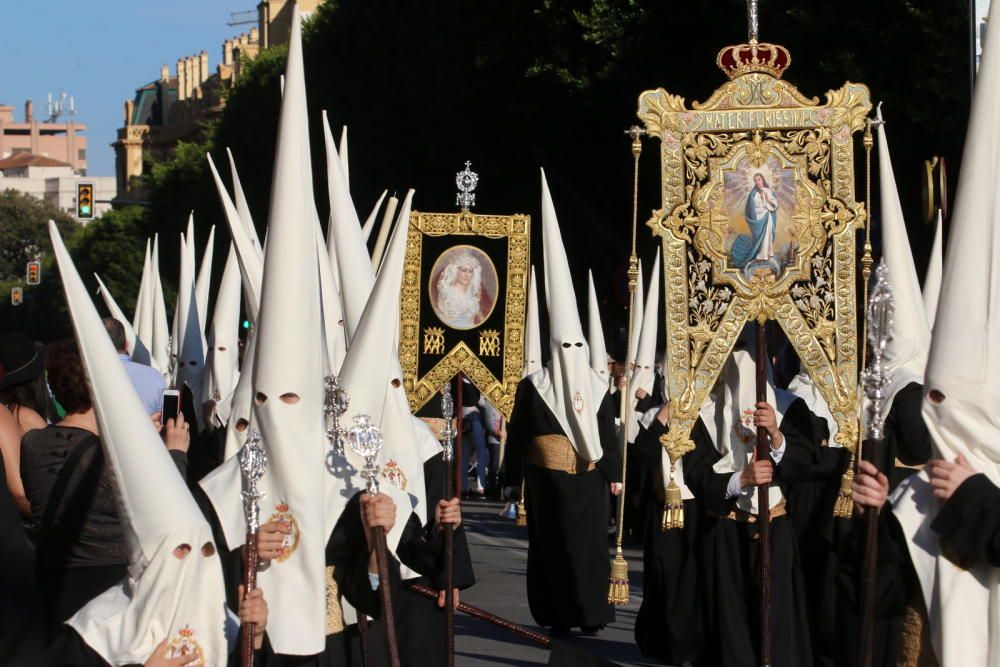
x=101 y=51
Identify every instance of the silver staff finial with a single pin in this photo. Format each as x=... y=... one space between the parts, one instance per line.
x=448 y=432
x=466 y=181
x=875 y=379
x=335 y=404
x=753 y=23
x=365 y=439
x=253 y=464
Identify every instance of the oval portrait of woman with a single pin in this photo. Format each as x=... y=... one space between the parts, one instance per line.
x=463 y=287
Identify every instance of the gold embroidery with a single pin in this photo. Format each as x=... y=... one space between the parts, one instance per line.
x=334 y=612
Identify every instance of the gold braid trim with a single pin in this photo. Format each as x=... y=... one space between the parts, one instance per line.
x=334 y=612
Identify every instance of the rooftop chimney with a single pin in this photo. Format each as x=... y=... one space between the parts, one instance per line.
x=29 y=112
x=227 y=52
x=164 y=73
x=181 y=81
x=204 y=65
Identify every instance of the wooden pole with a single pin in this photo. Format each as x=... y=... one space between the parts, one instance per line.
x=872 y=451
x=249 y=583
x=449 y=554
x=385 y=584
x=763 y=505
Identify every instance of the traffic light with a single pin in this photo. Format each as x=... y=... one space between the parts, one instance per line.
x=34 y=273
x=16 y=296
x=85 y=201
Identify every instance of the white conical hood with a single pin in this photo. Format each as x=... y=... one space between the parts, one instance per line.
x=251 y=263
x=906 y=354
x=140 y=302
x=342 y=149
x=288 y=377
x=243 y=209
x=595 y=332
x=191 y=344
x=161 y=330
x=637 y=314
x=366 y=229
x=532 y=330
x=962 y=401
x=932 y=281
x=645 y=359
x=163 y=594
x=331 y=188
x=224 y=343
x=372 y=377
x=568 y=385
x=333 y=308
x=356 y=276
x=204 y=281
x=383 y=231
x=136 y=349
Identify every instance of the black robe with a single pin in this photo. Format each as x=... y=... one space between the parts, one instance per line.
x=969 y=523
x=568 y=559
x=730 y=552
x=669 y=625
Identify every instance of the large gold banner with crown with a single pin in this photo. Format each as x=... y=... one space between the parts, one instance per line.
x=758 y=222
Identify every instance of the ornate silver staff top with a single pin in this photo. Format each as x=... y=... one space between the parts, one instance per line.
x=466 y=181
x=335 y=404
x=875 y=378
x=365 y=439
x=753 y=23
x=253 y=464
x=448 y=432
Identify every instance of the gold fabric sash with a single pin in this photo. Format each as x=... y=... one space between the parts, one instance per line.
x=555 y=452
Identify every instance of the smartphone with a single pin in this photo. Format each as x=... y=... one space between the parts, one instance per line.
x=171 y=405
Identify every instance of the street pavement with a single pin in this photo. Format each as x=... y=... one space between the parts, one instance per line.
x=500 y=556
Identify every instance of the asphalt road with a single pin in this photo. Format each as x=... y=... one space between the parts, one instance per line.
x=500 y=555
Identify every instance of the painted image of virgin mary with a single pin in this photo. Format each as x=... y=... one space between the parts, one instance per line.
x=462 y=301
x=761 y=213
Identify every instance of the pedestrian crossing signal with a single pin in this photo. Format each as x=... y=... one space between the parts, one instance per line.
x=34 y=276
x=16 y=296
x=85 y=201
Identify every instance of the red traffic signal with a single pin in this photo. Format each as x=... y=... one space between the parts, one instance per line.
x=85 y=201
x=34 y=276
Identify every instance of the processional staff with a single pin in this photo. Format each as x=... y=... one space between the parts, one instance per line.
x=874 y=380
x=253 y=464
x=448 y=442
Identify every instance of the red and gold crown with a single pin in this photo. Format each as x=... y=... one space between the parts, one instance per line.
x=754 y=56
x=186 y=631
x=282 y=506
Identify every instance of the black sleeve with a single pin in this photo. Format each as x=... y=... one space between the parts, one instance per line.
x=347 y=552
x=909 y=439
x=708 y=486
x=180 y=460
x=645 y=403
x=647 y=444
x=969 y=523
x=518 y=437
x=610 y=464
x=422 y=547
x=803 y=433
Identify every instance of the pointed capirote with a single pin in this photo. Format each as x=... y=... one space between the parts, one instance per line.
x=204 y=281
x=243 y=209
x=137 y=350
x=372 y=376
x=932 y=280
x=190 y=363
x=383 y=232
x=356 y=276
x=645 y=357
x=333 y=308
x=961 y=407
x=163 y=594
x=161 y=329
x=906 y=353
x=532 y=329
x=223 y=352
x=342 y=150
x=595 y=331
x=572 y=390
x=366 y=229
x=251 y=262
x=140 y=300
x=637 y=312
x=288 y=376
x=331 y=156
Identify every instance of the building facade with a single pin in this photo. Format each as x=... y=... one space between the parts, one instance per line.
x=64 y=142
x=53 y=181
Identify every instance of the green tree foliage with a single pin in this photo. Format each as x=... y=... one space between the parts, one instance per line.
x=24 y=232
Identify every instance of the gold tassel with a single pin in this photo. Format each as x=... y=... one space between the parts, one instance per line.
x=673 y=505
x=522 y=516
x=618 y=581
x=844 y=507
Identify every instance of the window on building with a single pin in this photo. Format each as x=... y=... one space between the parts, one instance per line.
x=81 y=154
